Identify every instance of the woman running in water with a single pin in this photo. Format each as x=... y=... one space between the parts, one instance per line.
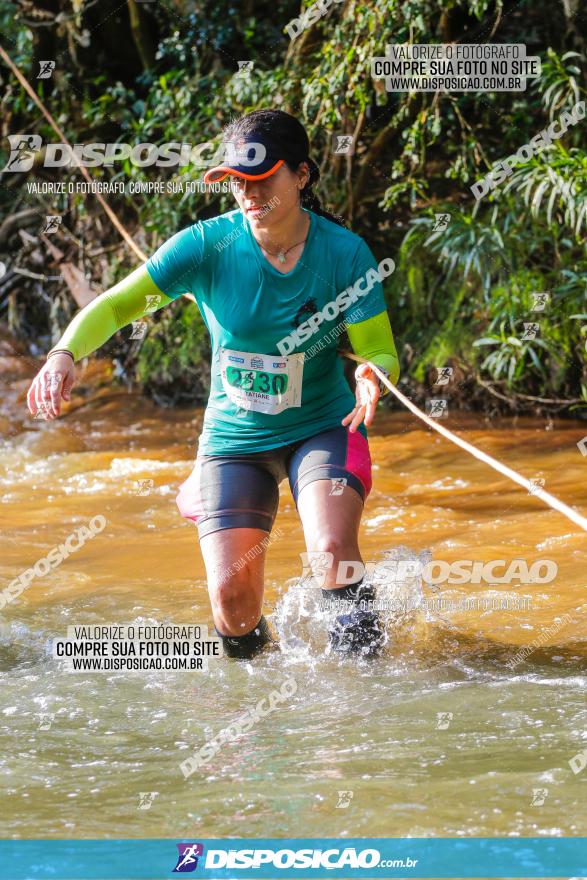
x=275 y=280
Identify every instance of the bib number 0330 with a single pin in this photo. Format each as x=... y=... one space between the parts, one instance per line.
x=260 y=382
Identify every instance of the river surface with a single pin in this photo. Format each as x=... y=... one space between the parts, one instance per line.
x=438 y=737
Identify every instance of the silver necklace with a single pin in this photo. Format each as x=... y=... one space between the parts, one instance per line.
x=281 y=254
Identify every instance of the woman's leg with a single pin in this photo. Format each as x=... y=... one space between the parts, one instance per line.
x=235 y=581
x=331 y=524
x=330 y=477
x=235 y=568
x=233 y=500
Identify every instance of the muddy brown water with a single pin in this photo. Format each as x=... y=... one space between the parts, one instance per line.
x=441 y=736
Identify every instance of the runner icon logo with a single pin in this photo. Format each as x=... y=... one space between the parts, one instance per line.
x=46 y=68
x=146 y=799
x=187 y=860
x=52 y=223
x=441 y=222
x=443 y=720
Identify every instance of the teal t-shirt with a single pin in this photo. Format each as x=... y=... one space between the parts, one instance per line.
x=275 y=375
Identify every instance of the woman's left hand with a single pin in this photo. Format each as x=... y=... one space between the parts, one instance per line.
x=367 y=396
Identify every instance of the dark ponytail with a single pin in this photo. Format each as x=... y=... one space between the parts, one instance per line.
x=286 y=131
x=309 y=199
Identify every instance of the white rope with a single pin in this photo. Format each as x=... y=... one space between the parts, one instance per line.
x=536 y=491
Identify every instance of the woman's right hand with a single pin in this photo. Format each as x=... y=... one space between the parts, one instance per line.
x=52 y=383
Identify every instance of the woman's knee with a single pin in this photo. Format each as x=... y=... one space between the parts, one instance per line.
x=338 y=545
x=336 y=556
x=237 y=599
x=233 y=589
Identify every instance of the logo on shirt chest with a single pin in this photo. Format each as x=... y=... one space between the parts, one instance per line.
x=308 y=308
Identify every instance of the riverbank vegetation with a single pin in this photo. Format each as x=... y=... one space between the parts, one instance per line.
x=465 y=289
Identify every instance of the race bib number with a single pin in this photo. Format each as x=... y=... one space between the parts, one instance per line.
x=264 y=383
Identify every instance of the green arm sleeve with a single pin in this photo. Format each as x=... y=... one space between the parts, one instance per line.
x=373 y=340
x=132 y=298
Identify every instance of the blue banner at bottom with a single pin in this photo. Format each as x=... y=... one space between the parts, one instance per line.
x=360 y=857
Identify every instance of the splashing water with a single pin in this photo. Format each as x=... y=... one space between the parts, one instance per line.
x=435 y=737
x=302 y=621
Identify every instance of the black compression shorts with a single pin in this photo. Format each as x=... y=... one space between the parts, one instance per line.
x=242 y=491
